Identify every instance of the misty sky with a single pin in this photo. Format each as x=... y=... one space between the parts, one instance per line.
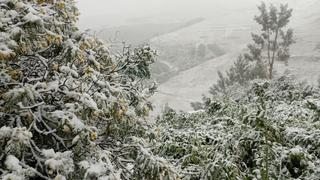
x=108 y=13
x=105 y=12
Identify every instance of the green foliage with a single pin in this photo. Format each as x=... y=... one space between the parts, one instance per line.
x=241 y=72
x=69 y=108
x=141 y=60
x=272 y=44
x=267 y=130
x=274 y=40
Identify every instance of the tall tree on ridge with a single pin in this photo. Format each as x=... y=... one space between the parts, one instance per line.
x=274 y=41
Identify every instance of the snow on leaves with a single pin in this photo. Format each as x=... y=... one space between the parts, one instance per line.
x=268 y=131
x=64 y=96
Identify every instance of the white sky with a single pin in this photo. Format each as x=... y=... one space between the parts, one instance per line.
x=102 y=12
x=106 y=13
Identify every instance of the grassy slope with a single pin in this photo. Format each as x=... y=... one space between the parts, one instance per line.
x=191 y=84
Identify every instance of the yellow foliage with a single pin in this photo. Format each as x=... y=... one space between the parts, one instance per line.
x=24 y=48
x=60 y=5
x=119 y=114
x=15 y=74
x=49 y=39
x=45 y=1
x=55 y=67
x=88 y=70
x=64 y=15
x=97 y=113
x=66 y=129
x=98 y=66
x=6 y=55
x=157 y=132
x=57 y=39
x=41 y=44
x=44 y=44
x=122 y=101
x=146 y=111
x=84 y=46
x=93 y=136
x=80 y=57
x=113 y=67
x=41 y=1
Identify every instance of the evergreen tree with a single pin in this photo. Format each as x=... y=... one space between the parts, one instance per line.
x=241 y=72
x=274 y=41
x=272 y=44
x=69 y=109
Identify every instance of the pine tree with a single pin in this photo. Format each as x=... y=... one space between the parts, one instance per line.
x=274 y=41
x=241 y=72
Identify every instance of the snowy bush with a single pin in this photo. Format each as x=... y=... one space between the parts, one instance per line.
x=69 y=108
x=270 y=130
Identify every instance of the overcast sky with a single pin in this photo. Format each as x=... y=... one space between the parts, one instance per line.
x=107 y=13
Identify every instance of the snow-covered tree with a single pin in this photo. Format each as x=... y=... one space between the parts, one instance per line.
x=241 y=72
x=69 y=108
x=271 y=45
x=274 y=41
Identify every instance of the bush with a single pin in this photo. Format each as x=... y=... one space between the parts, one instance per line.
x=267 y=130
x=240 y=73
x=69 y=108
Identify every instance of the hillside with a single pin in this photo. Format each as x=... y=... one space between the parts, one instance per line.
x=136 y=33
x=191 y=84
x=71 y=107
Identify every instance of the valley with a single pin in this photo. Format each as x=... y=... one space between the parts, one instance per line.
x=192 y=51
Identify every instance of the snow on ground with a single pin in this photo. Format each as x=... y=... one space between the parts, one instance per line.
x=189 y=85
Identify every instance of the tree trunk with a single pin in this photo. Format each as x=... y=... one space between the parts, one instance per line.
x=270 y=71
x=273 y=54
x=269 y=58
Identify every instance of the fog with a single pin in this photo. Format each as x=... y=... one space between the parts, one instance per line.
x=177 y=28
x=109 y=13
x=159 y=89
x=97 y=13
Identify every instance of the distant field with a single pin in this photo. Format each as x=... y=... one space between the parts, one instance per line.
x=190 y=84
x=184 y=77
x=142 y=32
